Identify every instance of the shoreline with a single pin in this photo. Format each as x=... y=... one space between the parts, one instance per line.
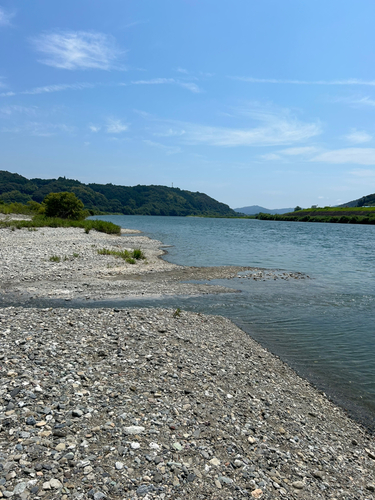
x=225 y=417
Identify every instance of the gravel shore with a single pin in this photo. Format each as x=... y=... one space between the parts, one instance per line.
x=153 y=403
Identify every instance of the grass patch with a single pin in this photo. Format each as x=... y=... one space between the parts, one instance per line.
x=55 y=258
x=42 y=221
x=177 y=313
x=129 y=257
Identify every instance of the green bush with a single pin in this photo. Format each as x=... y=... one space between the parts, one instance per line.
x=64 y=205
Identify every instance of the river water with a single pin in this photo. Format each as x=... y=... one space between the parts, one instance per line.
x=323 y=326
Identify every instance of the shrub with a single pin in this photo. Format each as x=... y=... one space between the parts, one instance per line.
x=55 y=258
x=129 y=257
x=64 y=205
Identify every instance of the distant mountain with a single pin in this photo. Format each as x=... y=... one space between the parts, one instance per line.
x=109 y=198
x=256 y=209
x=365 y=201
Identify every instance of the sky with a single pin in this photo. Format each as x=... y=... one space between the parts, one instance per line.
x=254 y=103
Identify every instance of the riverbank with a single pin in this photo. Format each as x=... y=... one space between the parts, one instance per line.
x=149 y=403
x=64 y=263
x=153 y=403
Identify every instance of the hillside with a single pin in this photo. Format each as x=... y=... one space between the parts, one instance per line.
x=256 y=209
x=365 y=201
x=110 y=198
x=344 y=215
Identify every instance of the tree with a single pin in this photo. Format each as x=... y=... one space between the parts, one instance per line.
x=297 y=209
x=64 y=205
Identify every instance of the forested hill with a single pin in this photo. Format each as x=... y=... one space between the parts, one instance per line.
x=365 y=201
x=137 y=200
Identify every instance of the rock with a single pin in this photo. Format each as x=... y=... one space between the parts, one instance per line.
x=99 y=495
x=370 y=487
x=30 y=421
x=119 y=465
x=258 y=493
x=215 y=461
x=133 y=430
x=299 y=485
x=144 y=489
x=225 y=480
x=19 y=488
x=177 y=446
x=77 y=413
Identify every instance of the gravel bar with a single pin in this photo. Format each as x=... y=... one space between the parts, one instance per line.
x=154 y=403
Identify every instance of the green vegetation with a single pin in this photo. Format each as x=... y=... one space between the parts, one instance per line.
x=109 y=198
x=55 y=258
x=129 y=257
x=64 y=205
x=42 y=221
x=177 y=313
x=340 y=215
x=365 y=201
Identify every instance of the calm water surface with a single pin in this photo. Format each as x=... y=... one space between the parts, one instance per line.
x=323 y=326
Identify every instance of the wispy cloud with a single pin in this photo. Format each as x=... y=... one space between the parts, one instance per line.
x=5 y=17
x=115 y=126
x=357 y=101
x=271 y=157
x=363 y=173
x=169 y=150
x=359 y=156
x=299 y=151
x=307 y=150
x=274 y=129
x=94 y=128
x=349 y=81
x=358 y=137
x=46 y=89
x=15 y=109
x=135 y=23
x=39 y=129
x=169 y=81
x=182 y=70
x=77 y=50
x=58 y=88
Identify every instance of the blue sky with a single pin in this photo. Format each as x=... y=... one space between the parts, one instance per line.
x=269 y=103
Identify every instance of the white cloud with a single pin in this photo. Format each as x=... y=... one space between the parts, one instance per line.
x=271 y=157
x=39 y=129
x=349 y=81
x=364 y=173
x=94 y=128
x=5 y=17
x=58 y=88
x=358 y=137
x=116 y=126
x=170 y=133
x=46 y=89
x=273 y=130
x=190 y=86
x=77 y=50
x=168 y=149
x=299 y=151
x=356 y=101
x=11 y=110
x=360 y=156
x=182 y=70
x=135 y=23
x=169 y=81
